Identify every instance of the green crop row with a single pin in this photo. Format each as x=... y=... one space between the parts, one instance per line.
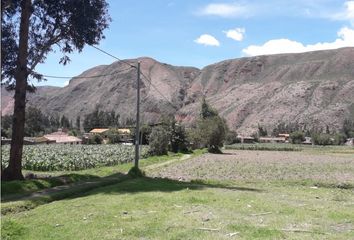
x=72 y=157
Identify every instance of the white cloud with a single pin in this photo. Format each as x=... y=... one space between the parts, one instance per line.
x=347 y=13
x=66 y=83
x=235 y=34
x=224 y=10
x=345 y=39
x=207 y=40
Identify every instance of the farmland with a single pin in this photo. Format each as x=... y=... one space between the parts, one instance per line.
x=72 y=157
x=240 y=194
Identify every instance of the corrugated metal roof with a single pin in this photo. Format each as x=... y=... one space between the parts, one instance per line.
x=124 y=130
x=99 y=130
x=63 y=138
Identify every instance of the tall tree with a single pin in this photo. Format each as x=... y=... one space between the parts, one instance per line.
x=78 y=123
x=29 y=30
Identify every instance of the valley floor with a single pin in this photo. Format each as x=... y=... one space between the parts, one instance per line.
x=237 y=195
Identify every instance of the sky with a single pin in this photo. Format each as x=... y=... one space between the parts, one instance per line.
x=201 y=32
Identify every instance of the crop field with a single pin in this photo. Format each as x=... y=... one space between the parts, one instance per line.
x=240 y=194
x=71 y=157
x=274 y=166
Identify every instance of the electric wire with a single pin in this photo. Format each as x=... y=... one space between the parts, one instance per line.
x=95 y=76
x=147 y=78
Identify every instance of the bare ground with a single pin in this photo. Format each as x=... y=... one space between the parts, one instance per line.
x=264 y=165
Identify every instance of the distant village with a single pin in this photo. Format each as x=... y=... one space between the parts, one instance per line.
x=125 y=136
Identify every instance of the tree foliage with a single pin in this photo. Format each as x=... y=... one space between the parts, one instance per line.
x=36 y=123
x=210 y=130
x=66 y=24
x=348 y=128
x=158 y=141
x=100 y=119
x=29 y=31
x=297 y=137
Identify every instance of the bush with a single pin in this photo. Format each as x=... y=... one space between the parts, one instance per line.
x=94 y=139
x=178 y=138
x=297 y=137
x=231 y=138
x=213 y=132
x=340 y=139
x=113 y=137
x=158 y=141
x=322 y=139
x=194 y=138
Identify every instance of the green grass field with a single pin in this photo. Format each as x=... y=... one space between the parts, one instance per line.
x=207 y=197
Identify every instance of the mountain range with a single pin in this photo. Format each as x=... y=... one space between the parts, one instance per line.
x=315 y=89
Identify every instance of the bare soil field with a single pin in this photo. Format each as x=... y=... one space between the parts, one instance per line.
x=265 y=166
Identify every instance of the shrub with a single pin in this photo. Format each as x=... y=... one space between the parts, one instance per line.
x=231 y=138
x=194 y=138
x=178 y=138
x=213 y=132
x=113 y=137
x=340 y=139
x=297 y=137
x=262 y=131
x=158 y=141
x=94 y=139
x=322 y=139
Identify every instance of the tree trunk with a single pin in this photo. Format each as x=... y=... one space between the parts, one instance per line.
x=13 y=171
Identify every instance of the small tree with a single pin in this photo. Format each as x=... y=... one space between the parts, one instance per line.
x=297 y=137
x=262 y=132
x=113 y=137
x=348 y=128
x=211 y=129
x=94 y=139
x=231 y=138
x=158 y=141
x=322 y=139
x=339 y=138
x=178 y=137
x=213 y=132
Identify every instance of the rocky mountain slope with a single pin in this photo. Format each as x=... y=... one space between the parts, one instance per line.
x=314 y=88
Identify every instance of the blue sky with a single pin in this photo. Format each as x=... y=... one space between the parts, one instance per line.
x=201 y=32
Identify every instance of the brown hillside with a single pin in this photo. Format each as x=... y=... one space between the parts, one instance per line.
x=314 y=88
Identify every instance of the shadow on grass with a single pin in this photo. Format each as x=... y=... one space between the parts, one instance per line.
x=147 y=184
x=15 y=189
x=114 y=184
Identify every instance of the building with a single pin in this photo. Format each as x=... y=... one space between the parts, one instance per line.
x=63 y=138
x=125 y=135
x=284 y=135
x=246 y=139
x=350 y=142
x=37 y=140
x=100 y=131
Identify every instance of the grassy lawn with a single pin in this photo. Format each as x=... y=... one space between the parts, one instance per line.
x=277 y=198
x=15 y=189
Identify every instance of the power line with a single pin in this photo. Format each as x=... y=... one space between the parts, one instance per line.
x=157 y=90
x=101 y=50
x=147 y=79
x=96 y=76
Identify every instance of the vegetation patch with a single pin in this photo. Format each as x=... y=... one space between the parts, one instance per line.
x=264 y=147
x=11 y=230
x=72 y=157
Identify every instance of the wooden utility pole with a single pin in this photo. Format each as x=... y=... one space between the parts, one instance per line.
x=137 y=130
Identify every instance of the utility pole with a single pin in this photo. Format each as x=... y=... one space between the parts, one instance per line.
x=137 y=130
